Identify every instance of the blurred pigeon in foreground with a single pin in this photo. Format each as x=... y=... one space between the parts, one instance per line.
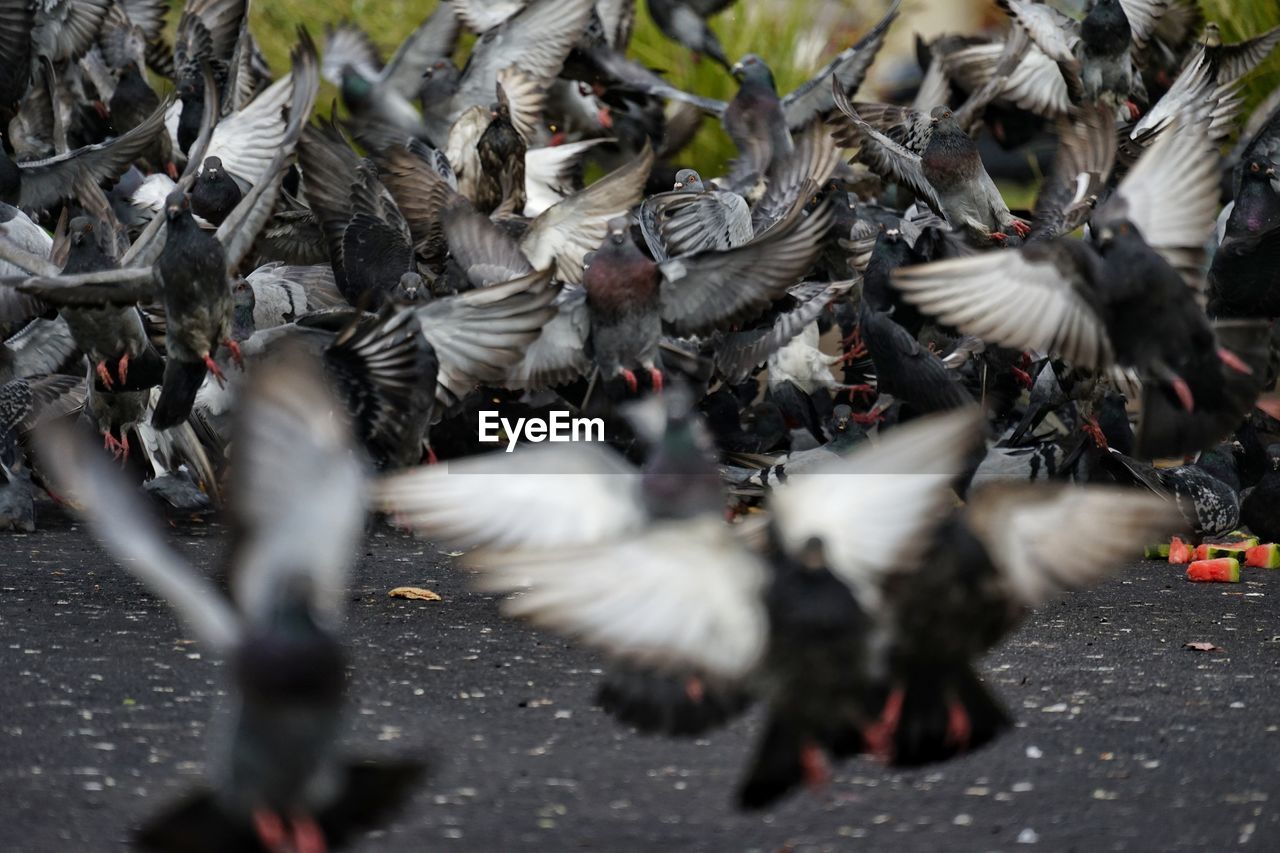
x=298 y=509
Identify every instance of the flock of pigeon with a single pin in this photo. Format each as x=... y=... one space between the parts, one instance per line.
x=859 y=415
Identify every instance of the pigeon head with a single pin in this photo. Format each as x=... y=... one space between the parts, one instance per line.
x=841 y=417
x=688 y=180
x=1118 y=235
x=619 y=232
x=1257 y=203
x=243 y=301
x=410 y=288
x=752 y=69
x=439 y=70
x=176 y=205
x=81 y=230
x=438 y=82
x=212 y=168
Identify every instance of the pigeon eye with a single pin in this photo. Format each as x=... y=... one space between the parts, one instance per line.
x=1254 y=167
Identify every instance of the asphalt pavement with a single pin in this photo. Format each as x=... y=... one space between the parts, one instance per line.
x=1126 y=740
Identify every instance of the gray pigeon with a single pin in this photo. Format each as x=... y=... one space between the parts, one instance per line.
x=939 y=162
x=693 y=217
x=298 y=508
x=792 y=621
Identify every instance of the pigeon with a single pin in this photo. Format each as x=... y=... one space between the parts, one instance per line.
x=205 y=42
x=18 y=231
x=501 y=152
x=693 y=217
x=1260 y=508
x=1096 y=58
x=760 y=122
x=112 y=337
x=906 y=370
x=1209 y=506
x=370 y=246
x=1116 y=300
x=1207 y=83
x=130 y=105
x=628 y=302
x=1242 y=278
x=1011 y=548
x=685 y=22
x=192 y=269
x=794 y=622
x=298 y=506
x=940 y=163
x=535 y=40
x=38 y=185
x=378 y=94
x=215 y=193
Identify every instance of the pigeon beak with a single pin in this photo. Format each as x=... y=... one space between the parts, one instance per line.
x=679 y=185
x=737 y=69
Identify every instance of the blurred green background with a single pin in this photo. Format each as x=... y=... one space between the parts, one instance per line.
x=796 y=37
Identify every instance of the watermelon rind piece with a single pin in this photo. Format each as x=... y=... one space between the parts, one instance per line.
x=1221 y=570
x=1263 y=556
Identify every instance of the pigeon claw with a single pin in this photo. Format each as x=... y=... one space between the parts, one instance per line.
x=879 y=735
x=119 y=449
x=1022 y=377
x=1093 y=429
x=237 y=356
x=1021 y=228
x=853 y=345
x=1234 y=362
x=212 y=367
x=270 y=829
x=630 y=379
x=867 y=418
x=1183 y=390
x=605 y=116
x=308 y=837
x=171 y=169
x=999 y=237
x=865 y=390
x=122 y=367
x=959 y=729
x=816 y=771
x=694 y=689
x=1134 y=112
x=655 y=376
x=104 y=376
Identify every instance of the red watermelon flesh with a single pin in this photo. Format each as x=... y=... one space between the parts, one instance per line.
x=1179 y=551
x=1263 y=557
x=1222 y=570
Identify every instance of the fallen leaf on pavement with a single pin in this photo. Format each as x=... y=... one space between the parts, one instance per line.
x=414 y=592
